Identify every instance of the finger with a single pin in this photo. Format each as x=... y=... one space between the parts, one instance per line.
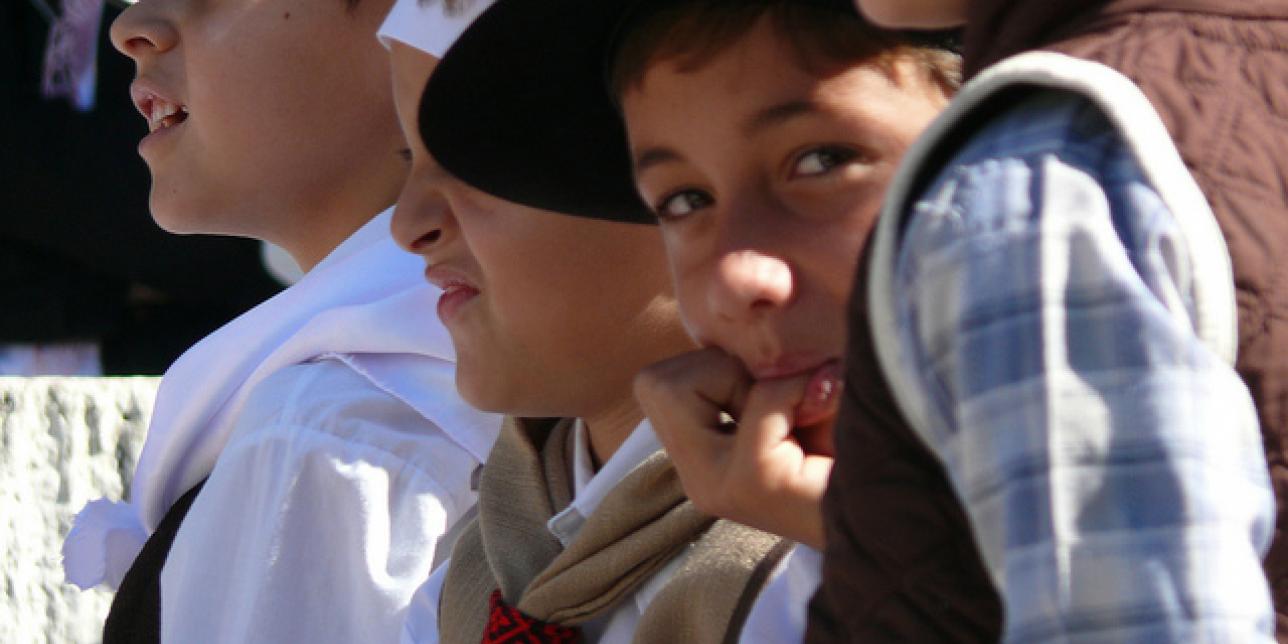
x=701 y=458
x=768 y=417
x=686 y=421
x=717 y=378
x=816 y=439
x=697 y=385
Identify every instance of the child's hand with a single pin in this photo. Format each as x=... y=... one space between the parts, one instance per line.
x=763 y=471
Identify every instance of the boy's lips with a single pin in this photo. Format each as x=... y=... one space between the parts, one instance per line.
x=822 y=396
x=787 y=366
x=159 y=111
x=457 y=289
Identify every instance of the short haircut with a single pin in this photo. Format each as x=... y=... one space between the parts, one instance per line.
x=824 y=35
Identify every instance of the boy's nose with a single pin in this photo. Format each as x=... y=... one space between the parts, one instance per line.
x=142 y=30
x=748 y=284
x=421 y=216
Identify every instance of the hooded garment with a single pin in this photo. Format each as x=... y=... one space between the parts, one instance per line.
x=327 y=429
x=325 y=426
x=1214 y=72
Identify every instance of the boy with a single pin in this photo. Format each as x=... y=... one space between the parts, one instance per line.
x=305 y=460
x=1105 y=453
x=583 y=528
x=765 y=185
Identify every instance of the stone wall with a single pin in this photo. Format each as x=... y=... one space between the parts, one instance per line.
x=63 y=442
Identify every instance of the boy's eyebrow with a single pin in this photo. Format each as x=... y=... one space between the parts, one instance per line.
x=650 y=157
x=777 y=114
x=767 y=117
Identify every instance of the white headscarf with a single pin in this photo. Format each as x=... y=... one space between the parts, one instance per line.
x=367 y=299
x=365 y=303
x=428 y=25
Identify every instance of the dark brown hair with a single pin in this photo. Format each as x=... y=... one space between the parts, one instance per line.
x=824 y=35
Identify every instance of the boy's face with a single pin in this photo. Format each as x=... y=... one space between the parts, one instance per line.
x=281 y=107
x=551 y=315
x=914 y=14
x=767 y=180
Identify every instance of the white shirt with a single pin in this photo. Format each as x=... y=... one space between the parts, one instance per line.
x=780 y=612
x=777 y=616
x=320 y=518
x=431 y=27
x=366 y=304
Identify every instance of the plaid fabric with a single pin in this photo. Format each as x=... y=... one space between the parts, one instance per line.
x=506 y=624
x=1111 y=465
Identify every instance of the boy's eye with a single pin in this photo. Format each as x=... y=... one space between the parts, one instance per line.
x=405 y=154
x=681 y=203
x=820 y=161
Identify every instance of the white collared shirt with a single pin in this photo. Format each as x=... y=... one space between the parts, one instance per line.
x=589 y=488
x=777 y=616
x=320 y=519
x=780 y=612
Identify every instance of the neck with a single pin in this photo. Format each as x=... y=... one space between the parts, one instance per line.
x=609 y=428
x=331 y=217
x=320 y=242
x=321 y=238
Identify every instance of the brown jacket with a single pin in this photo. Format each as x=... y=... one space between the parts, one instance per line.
x=901 y=562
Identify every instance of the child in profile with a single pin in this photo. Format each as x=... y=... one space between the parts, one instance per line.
x=304 y=461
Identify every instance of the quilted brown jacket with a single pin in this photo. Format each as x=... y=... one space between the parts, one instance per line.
x=901 y=564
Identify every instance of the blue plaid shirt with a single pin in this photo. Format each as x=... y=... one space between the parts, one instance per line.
x=1110 y=463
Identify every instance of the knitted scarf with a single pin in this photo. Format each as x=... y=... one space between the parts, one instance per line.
x=644 y=523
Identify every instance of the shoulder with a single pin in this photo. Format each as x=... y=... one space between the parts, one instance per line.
x=322 y=393
x=325 y=405
x=1045 y=160
x=1010 y=151
x=1024 y=122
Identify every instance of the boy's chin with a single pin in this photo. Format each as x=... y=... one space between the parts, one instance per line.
x=170 y=218
x=170 y=212
x=512 y=394
x=180 y=217
x=484 y=393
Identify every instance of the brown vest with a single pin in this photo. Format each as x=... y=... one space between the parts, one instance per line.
x=901 y=563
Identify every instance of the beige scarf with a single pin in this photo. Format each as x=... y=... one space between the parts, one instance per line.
x=642 y=524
